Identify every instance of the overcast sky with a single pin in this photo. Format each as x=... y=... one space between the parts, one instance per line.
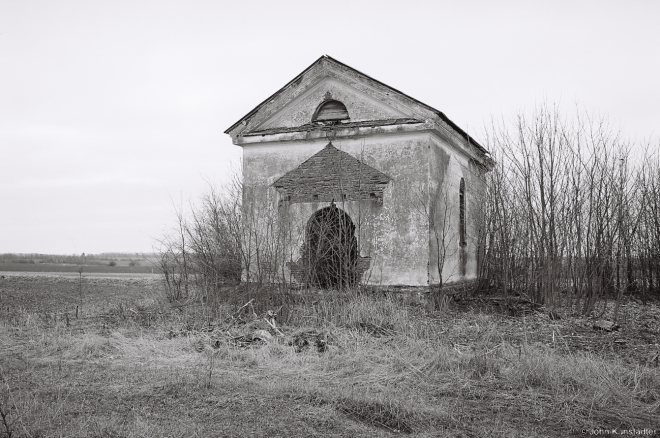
x=113 y=111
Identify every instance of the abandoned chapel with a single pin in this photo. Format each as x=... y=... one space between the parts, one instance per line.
x=367 y=184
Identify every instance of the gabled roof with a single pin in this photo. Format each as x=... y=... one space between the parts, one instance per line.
x=440 y=114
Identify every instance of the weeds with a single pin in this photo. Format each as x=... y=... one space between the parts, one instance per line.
x=390 y=416
x=4 y=413
x=152 y=368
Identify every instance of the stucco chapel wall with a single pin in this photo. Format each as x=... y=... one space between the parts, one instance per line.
x=394 y=235
x=475 y=181
x=447 y=167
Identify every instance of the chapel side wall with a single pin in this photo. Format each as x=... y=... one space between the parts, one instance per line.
x=475 y=183
x=441 y=211
x=447 y=167
x=394 y=235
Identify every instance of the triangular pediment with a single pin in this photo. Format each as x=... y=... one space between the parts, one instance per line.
x=366 y=100
x=332 y=175
x=366 y=105
x=360 y=104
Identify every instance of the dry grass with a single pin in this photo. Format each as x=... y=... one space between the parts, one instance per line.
x=389 y=368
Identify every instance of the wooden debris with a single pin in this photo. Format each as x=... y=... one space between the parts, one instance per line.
x=607 y=326
x=235 y=315
x=271 y=320
x=246 y=341
x=304 y=340
x=554 y=316
x=263 y=335
x=271 y=317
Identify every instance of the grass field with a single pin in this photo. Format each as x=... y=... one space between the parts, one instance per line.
x=132 y=365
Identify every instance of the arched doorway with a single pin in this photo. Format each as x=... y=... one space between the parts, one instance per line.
x=331 y=249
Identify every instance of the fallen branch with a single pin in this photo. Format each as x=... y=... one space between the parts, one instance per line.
x=279 y=333
x=232 y=316
x=244 y=306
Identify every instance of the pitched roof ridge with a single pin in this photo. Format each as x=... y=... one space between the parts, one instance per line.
x=439 y=113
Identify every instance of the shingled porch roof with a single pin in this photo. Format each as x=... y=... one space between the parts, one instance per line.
x=332 y=175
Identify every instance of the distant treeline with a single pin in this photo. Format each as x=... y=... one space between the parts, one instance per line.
x=83 y=259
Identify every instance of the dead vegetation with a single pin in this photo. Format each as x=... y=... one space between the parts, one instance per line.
x=571 y=211
x=339 y=364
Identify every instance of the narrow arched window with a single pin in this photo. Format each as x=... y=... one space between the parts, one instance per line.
x=331 y=111
x=461 y=206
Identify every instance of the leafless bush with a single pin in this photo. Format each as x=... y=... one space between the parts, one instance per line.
x=570 y=216
x=202 y=253
x=227 y=237
x=4 y=413
x=239 y=232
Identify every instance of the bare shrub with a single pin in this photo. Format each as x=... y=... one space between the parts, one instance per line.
x=238 y=234
x=203 y=252
x=4 y=416
x=568 y=212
